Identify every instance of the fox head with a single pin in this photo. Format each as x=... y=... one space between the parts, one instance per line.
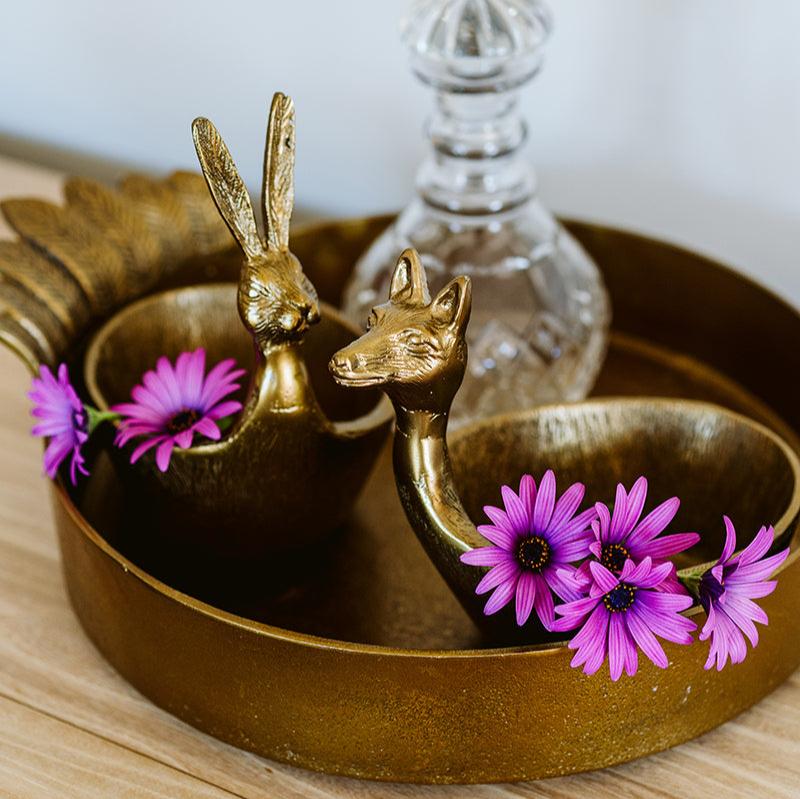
x=414 y=348
x=276 y=300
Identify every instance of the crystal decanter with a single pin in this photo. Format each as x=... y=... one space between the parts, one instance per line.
x=540 y=310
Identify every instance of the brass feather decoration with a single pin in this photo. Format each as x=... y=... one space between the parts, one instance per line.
x=44 y=335
x=163 y=213
x=46 y=281
x=67 y=236
x=120 y=225
x=208 y=231
x=73 y=265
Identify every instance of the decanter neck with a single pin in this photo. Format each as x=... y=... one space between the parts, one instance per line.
x=476 y=166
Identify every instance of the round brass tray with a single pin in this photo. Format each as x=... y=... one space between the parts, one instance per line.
x=368 y=666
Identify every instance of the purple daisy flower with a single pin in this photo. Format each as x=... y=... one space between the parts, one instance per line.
x=176 y=402
x=621 y=535
x=64 y=421
x=624 y=613
x=727 y=591
x=534 y=541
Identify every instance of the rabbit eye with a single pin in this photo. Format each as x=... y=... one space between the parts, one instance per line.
x=372 y=320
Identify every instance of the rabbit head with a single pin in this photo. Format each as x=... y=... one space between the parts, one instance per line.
x=277 y=302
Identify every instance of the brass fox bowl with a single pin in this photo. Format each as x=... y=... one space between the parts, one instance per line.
x=718 y=462
x=327 y=472
x=372 y=669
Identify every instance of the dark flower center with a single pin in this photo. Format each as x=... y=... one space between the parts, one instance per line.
x=80 y=420
x=614 y=556
x=711 y=589
x=619 y=599
x=533 y=553
x=182 y=421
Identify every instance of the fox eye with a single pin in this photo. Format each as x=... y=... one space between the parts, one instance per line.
x=419 y=345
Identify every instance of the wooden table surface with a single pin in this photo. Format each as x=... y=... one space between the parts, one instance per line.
x=71 y=727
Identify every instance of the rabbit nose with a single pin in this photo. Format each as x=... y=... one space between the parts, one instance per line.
x=310 y=310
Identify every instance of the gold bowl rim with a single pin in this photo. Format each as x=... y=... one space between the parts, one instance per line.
x=320 y=642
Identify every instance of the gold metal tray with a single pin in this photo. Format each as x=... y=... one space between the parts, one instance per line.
x=365 y=665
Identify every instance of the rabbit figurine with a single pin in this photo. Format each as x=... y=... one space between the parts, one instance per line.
x=286 y=474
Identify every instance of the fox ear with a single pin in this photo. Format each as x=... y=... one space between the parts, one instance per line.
x=453 y=303
x=409 y=284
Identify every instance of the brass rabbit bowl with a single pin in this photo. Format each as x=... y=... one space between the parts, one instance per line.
x=294 y=462
x=415 y=349
x=280 y=479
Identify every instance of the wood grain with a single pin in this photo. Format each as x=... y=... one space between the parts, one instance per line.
x=71 y=727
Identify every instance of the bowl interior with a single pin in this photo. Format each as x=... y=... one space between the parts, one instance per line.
x=205 y=316
x=717 y=462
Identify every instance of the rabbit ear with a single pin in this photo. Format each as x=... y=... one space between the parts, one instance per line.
x=226 y=186
x=277 y=194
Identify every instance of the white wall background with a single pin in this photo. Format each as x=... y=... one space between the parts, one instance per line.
x=677 y=118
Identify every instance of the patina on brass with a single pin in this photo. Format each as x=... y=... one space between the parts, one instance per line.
x=286 y=474
x=369 y=667
x=415 y=349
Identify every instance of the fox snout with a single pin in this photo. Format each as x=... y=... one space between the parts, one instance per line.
x=348 y=367
x=341 y=366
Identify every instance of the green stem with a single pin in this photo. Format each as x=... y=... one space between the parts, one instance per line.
x=691 y=581
x=224 y=423
x=97 y=417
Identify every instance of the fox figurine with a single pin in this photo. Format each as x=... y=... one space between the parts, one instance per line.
x=415 y=349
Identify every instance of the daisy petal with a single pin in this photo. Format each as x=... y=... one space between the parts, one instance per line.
x=605 y=580
x=543 y=602
x=485 y=556
x=527 y=493
x=636 y=499
x=566 y=506
x=500 y=598
x=655 y=522
x=545 y=499
x=515 y=509
x=645 y=640
x=669 y=545
x=499 y=536
x=620 y=513
x=526 y=589
x=503 y=572
x=164 y=453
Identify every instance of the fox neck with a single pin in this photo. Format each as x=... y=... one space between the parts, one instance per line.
x=427 y=490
